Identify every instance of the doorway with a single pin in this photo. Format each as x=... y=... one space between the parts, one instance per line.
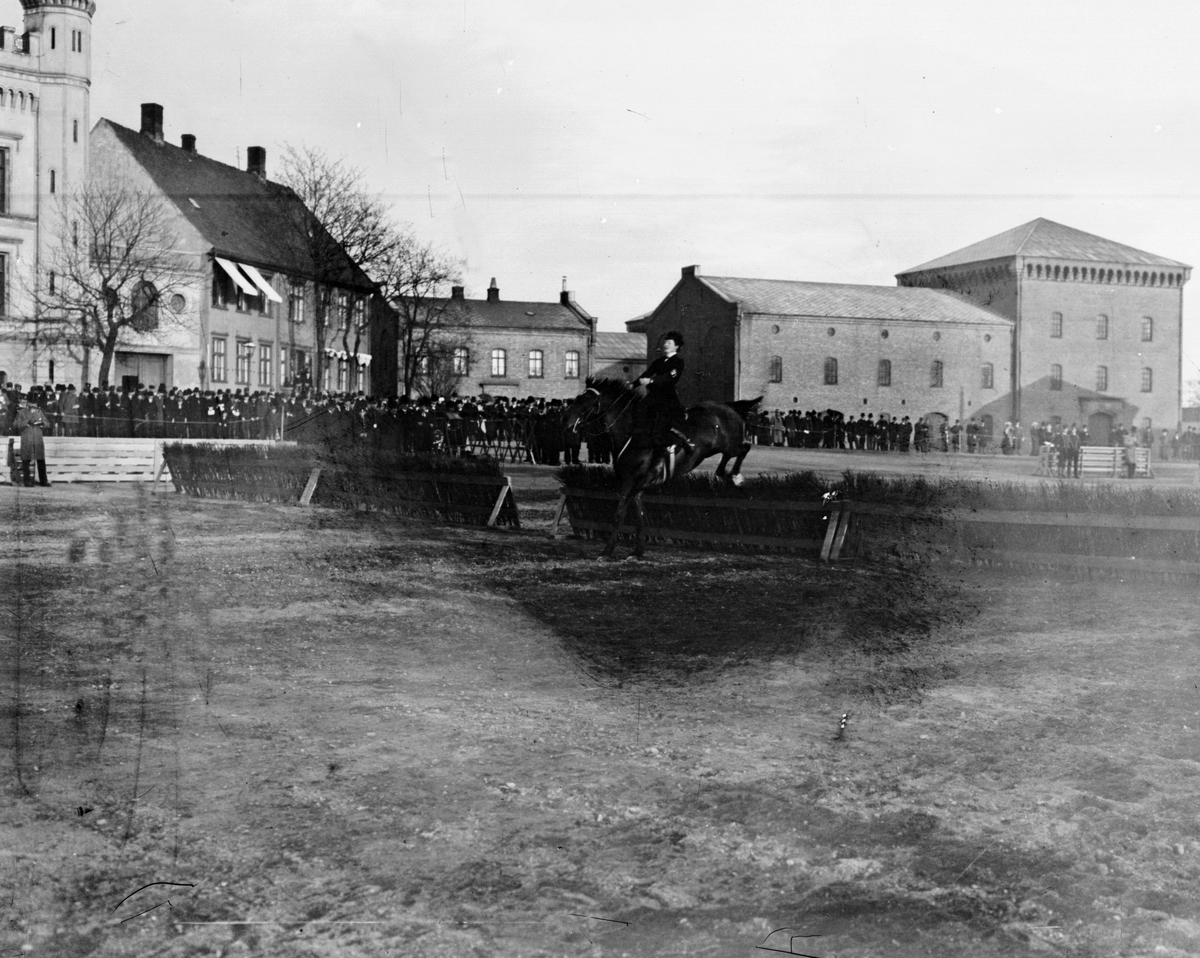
x=1099 y=428
x=149 y=369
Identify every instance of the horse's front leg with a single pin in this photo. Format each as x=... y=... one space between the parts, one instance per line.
x=639 y=518
x=622 y=507
x=720 y=473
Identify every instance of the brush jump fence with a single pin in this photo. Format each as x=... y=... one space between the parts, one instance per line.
x=841 y=530
x=299 y=475
x=788 y=526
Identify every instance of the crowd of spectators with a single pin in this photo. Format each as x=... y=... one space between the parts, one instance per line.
x=526 y=429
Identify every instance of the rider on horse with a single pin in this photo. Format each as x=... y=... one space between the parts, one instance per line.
x=665 y=414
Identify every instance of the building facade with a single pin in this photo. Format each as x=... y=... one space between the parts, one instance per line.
x=855 y=349
x=542 y=350
x=1097 y=325
x=619 y=355
x=45 y=82
x=243 y=315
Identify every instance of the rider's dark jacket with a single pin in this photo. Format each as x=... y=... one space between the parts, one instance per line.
x=663 y=408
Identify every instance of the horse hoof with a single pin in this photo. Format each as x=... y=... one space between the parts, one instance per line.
x=737 y=479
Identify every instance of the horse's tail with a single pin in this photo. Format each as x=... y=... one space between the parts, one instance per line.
x=743 y=407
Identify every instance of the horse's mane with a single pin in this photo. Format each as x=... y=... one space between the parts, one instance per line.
x=609 y=386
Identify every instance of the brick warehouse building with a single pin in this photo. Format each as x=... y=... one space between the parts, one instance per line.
x=1040 y=323
x=1097 y=326
x=876 y=349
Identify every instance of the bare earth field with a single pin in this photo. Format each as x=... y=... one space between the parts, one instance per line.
x=245 y=729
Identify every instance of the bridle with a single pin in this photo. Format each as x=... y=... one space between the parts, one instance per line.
x=593 y=417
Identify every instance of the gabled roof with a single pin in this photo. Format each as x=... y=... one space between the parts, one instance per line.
x=1042 y=237
x=510 y=314
x=620 y=345
x=242 y=217
x=782 y=297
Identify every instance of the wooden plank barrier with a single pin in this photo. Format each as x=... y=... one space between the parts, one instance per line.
x=1108 y=461
x=83 y=459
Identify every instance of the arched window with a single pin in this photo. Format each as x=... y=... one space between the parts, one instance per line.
x=776 y=372
x=1102 y=327
x=535 y=363
x=1147 y=329
x=936 y=374
x=1101 y=379
x=499 y=363
x=830 y=371
x=462 y=360
x=883 y=376
x=1056 y=376
x=144 y=304
x=572 y=367
x=987 y=378
x=1147 y=380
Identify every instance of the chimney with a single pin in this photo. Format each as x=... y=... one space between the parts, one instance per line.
x=152 y=121
x=493 y=292
x=567 y=297
x=691 y=270
x=256 y=161
x=456 y=292
x=188 y=142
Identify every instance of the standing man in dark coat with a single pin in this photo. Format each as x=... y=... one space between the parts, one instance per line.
x=665 y=413
x=31 y=423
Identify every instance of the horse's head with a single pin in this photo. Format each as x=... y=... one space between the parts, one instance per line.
x=596 y=400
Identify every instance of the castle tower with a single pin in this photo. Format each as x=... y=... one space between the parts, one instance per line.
x=45 y=117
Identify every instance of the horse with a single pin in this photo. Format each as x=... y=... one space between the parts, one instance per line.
x=613 y=405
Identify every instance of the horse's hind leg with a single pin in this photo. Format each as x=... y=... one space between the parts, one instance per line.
x=736 y=478
x=720 y=472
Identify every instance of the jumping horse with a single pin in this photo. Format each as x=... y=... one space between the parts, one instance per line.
x=613 y=405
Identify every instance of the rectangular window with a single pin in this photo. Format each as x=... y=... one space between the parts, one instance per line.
x=1147 y=380
x=499 y=363
x=883 y=375
x=75 y=131
x=296 y=305
x=220 y=372
x=1147 y=329
x=830 y=371
x=4 y=177
x=341 y=375
x=360 y=313
x=52 y=282
x=53 y=181
x=535 y=364
x=53 y=38
x=572 y=364
x=265 y=365
x=937 y=374
x=775 y=373
x=1101 y=378
x=220 y=287
x=987 y=379
x=1102 y=327
x=245 y=358
x=3 y=284
x=1056 y=376
x=1056 y=325
x=462 y=360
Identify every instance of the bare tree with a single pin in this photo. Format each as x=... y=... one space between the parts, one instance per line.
x=415 y=278
x=112 y=268
x=446 y=362
x=343 y=233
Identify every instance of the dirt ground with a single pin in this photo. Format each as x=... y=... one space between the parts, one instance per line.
x=235 y=728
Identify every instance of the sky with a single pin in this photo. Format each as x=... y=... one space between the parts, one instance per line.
x=615 y=142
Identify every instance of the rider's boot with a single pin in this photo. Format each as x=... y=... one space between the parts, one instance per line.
x=683 y=440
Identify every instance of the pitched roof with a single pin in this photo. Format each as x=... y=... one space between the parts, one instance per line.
x=620 y=345
x=1042 y=237
x=242 y=217
x=510 y=314
x=847 y=301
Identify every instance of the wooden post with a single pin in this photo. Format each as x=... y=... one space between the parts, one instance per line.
x=835 y=514
x=311 y=487
x=499 y=502
x=843 y=528
x=558 y=514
